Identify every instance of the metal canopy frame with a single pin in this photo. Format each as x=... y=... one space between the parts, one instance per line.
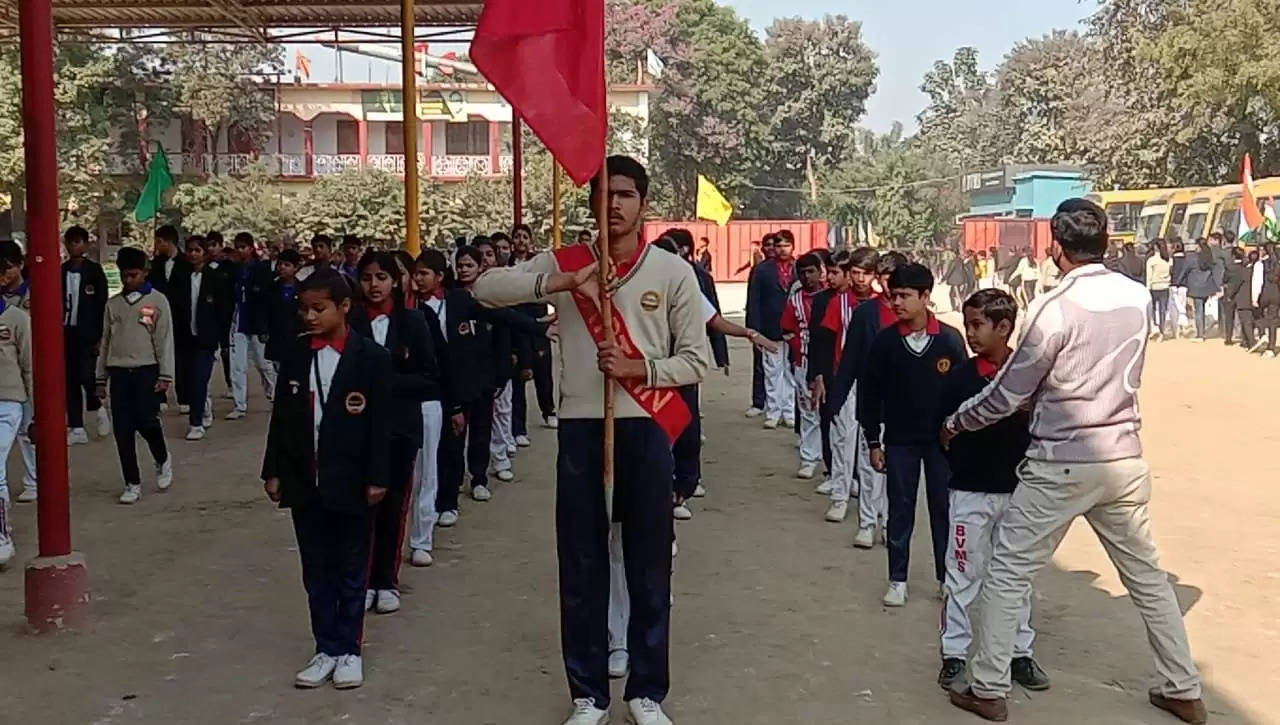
x=250 y=19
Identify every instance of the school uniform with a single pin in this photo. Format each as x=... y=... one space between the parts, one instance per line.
x=167 y=275
x=284 y=321
x=328 y=441
x=19 y=298
x=507 y=364
x=534 y=353
x=821 y=362
x=1237 y=303
x=430 y=468
x=204 y=313
x=415 y=380
x=137 y=352
x=758 y=398
x=984 y=472
x=16 y=392
x=250 y=325
x=1264 y=285
x=796 y=323
x=767 y=295
x=471 y=379
x=901 y=387
x=84 y=298
x=657 y=311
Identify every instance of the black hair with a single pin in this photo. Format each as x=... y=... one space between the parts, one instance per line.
x=522 y=228
x=350 y=240
x=1204 y=257
x=289 y=256
x=811 y=260
x=387 y=262
x=683 y=238
x=199 y=241
x=824 y=256
x=168 y=233
x=405 y=259
x=473 y=253
x=584 y=233
x=785 y=236
x=667 y=244
x=327 y=280
x=1237 y=254
x=324 y=239
x=995 y=305
x=76 y=234
x=890 y=261
x=215 y=239
x=1080 y=229
x=131 y=258
x=911 y=276
x=627 y=167
x=864 y=258
x=434 y=260
x=498 y=236
x=243 y=239
x=11 y=254
x=481 y=240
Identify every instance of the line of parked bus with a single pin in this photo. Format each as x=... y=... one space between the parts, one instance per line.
x=1145 y=215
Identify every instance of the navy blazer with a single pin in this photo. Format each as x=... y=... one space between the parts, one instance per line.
x=355 y=433
x=766 y=299
x=92 y=306
x=416 y=377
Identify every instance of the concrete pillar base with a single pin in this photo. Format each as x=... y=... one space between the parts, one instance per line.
x=57 y=593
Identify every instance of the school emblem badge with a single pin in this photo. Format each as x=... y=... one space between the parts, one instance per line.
x=89 y=289
x=147 y=316
x=649 y=301
x=944 y=366
x=209 y=299
x=5 y=333
x=355 y=403
x=293 y=387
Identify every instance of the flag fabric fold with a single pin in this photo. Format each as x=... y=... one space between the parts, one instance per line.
x=159 y=180
x=1251 y=218
x=546 y=59
x=712 y=205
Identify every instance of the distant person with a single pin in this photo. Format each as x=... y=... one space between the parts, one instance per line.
x=1237 y=300
x=84 y=294
x=1179 y=269
x=703 y=256
x=1266 y=295
x=759 y=253
x=1131 y=264
x=1201 y=287
x=767 y=295
x=585 y=237
x=1028 y=274
x=1158 y=276
x=16 y=393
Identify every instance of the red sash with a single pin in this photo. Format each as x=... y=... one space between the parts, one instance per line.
x=664 y=405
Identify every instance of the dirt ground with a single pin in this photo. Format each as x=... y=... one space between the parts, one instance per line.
x=200 y=615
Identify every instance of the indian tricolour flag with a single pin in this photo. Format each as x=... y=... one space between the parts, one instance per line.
x=1252 y=218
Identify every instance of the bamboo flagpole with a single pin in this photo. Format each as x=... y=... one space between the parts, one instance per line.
x=605 y=275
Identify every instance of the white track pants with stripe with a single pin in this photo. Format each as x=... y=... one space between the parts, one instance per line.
x=426 y=478
x=809 y=426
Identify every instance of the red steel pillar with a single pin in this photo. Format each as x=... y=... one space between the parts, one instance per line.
x=517 y=169
x=57 y=593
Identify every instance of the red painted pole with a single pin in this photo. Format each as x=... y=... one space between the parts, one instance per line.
x=517 y=169
x=56 y=589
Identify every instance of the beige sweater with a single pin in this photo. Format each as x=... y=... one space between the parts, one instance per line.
x=15 y=355
x=658 y=298
x=137 y=331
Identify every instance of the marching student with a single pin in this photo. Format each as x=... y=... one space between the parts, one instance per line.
x=167 y=275
x=15 y=292
x=536 y=349
x=822 y=353
x=84 y=295
x=796 y=322
x=901 y=388
x=759 y=253
x=220 y=263
x=502 y=442
x=349 y=266
x=321 y=256
x=16 y=394
x=430 y=278
x=284 y=323
x=767 y=295
x=661 y=344
x=328 y=461
x=137 y=362
x=382 y=317
x=984 y=473
x=249 y=323
x=205 y=313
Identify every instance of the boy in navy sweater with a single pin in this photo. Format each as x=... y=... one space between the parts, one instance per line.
x=984 y=472
x=901 y=388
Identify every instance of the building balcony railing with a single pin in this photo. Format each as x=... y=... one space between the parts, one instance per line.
x=294 y=166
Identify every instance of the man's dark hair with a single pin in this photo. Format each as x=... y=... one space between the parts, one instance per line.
x=11 y=254
x=1237 y=254
x=995 y=305
x=631 y=169
x=481 y=241
x=1080 y=229
x=291 y=256
x=199 y=241
x=810 y=260
x=433 y=259
x=682 y=237
x=351 y=240
x=522 y=227
x=322 y=239
x=824 y=256
x=168 y=233
x=911 y=276
x=864 y=258
x=215 y=239
x=327 y=280
x=76 y=234
x=585 y=234
x=785 y=236
x=243 y=239
x=890 y=261
x=667 y=244
x=499 y=236
x=132 y=258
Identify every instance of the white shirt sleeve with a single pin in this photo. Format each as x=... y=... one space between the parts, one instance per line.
x=1255 y=281
x=708 y=309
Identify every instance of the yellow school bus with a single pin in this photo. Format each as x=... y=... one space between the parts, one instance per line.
x=1124 y=207
x=1165 y=216
x=1218 y=209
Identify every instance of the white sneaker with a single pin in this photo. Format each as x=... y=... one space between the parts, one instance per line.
x=551 y=422
x=164 y=474
x=388 y=601
x=447 y=519
x=7 y=552
x=1269 y=354
x=132 y=493
x=28 y=495
x=481 y=493
x=207 y=420
x=825 y=488
x=228 y=395
x=675 y=548
x=421 y=557
x=771 y=424
x=235 y=415
x=702 y=438
x=349 y=673
x=1261 y=343
x=104 y=422
x=184 y=409
x=196 y=433
x=523 y=441
x=619 y=663
x=512 y=450
x=700 y=491
x=865 y=538
x=807 y=470
x=585 y=712
x=370 y=596
x=77 y=437
x=316 y=673
x=164 y=407
x=682 y=513
x=791 y=424
x=754 y=412
x=505 y=476
x=644 y=711
x=897 y=594
x=838 y=511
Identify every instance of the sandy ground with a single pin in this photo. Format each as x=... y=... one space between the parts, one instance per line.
x=200 y=616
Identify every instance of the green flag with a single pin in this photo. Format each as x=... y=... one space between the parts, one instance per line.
x=158 y=181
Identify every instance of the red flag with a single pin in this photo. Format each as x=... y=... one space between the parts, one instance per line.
x=547 y=59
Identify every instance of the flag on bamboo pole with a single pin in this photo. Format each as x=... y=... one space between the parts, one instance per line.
x=1251 y=217
x=159 y=180
x=547 y=59
x=712 y=205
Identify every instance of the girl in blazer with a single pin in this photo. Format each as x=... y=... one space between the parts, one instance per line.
x=381 y=316
x=204 y=313
x=430 y=277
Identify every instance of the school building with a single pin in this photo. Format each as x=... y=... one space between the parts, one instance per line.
x=1021 y=191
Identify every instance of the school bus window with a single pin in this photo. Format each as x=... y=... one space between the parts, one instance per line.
x=1124 y=217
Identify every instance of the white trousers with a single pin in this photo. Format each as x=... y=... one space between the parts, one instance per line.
x=974 y=518
x=244 y=349
x=810 y=423
x=1113 y=498
x=844 y=434
x=12 y=417
x=873 y=489
x=426 y=478
x=1178 y=306
x=27 y=447
x=619 y=599
x=779 y=388
x=501 y=439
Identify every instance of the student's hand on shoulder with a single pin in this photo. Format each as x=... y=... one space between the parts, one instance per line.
x=375 y=494
x=877 y=459
x=272 y=488
x=613 y=362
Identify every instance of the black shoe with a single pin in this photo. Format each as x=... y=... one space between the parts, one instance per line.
x=952 y=672
x=1027 y=673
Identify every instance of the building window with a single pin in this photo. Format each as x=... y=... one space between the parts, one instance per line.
x=395 y=137
x=467 y=139
x=348 y=134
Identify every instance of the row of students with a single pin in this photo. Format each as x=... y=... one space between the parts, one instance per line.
x=16 y=389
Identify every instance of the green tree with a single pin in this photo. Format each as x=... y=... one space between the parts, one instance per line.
x=365 y=202
x=218 y=84
x=252 y=203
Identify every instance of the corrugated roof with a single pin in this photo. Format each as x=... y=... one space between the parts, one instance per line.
x=245 y=14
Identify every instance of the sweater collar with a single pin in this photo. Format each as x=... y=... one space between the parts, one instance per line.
x=931 y=327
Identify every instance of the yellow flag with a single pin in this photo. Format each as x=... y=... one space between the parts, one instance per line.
x=712 y=205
